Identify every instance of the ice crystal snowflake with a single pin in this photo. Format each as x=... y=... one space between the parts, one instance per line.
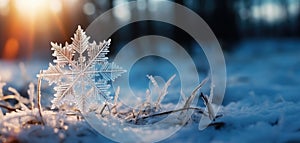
x=81 y=72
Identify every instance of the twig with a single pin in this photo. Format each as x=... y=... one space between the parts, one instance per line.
x=208 y=104
x=102 y=110
x=9 y=97
x=7 y=108
x=204 y=98
x=173 y=111
x=39 y=98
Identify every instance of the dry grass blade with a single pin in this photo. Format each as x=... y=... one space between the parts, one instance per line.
x=148 y=96
x=18 y=96
x=117 y=95
x=204 y=98
x=102 y=109
x=15 y=96
x=30 y=93
x=164 y=91
x=173 y=111
x=7 y=108
x=153 y=81
x=209 y=106
x=114 y=108
x=194 y=93
x=39 y=98
x=2 y=84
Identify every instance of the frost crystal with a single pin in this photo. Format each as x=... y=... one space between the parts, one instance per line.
x=81 y=72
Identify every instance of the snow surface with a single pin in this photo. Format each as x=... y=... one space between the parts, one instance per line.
x=261 y=103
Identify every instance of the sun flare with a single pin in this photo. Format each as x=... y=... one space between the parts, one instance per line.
x=36 y=7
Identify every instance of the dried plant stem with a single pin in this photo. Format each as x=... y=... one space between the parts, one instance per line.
x=163 y=91
x=7 y=108
x=102 y=110
x=194 y=93
x=39 y=98
x=9 y=97
x=173 y=111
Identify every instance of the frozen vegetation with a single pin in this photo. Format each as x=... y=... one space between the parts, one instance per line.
x=261 y=103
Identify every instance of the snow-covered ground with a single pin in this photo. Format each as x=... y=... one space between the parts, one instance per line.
x=261 y=103
x=262 y=97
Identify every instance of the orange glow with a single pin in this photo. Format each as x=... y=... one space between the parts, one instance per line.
x=29 y=23
x=34 y=8
x=60 y=26
x=11 y=49
x=30 y=7
x=34 y=16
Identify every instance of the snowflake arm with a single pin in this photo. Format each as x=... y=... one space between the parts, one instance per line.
x=80 y=71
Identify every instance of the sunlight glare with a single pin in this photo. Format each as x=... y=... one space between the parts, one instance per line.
x=30 y=7
x=4 y=7
x=55 y=6
x=273 y=12
x=3 y=3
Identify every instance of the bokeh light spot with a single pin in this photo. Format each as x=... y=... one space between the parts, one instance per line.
x=268 y=12
x=123 y=14
x=55 y=6
x=89 y=8
x=11 y=49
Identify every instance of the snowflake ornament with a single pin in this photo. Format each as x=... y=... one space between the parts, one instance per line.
x=81 y=72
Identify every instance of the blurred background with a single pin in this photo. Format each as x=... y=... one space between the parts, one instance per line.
x=260 y=40
x=28 y=26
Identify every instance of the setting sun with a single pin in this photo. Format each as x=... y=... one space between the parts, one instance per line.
x=26 y=21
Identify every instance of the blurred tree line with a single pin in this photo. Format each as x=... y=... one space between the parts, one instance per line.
x=230 y=20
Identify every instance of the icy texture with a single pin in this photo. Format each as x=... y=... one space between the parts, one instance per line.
x=81 y=73
x=261 y=102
